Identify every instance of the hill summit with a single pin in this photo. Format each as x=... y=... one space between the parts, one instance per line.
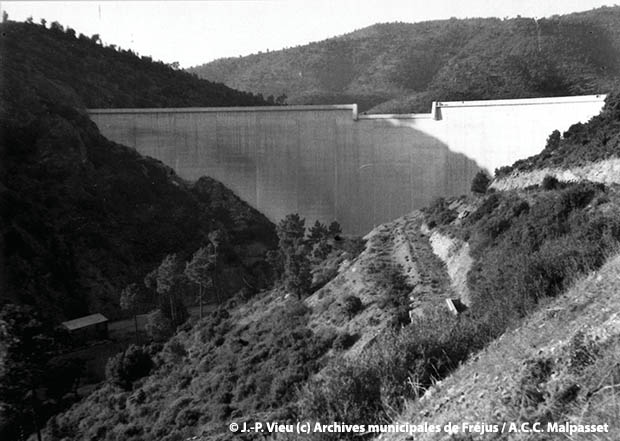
x=403 y=67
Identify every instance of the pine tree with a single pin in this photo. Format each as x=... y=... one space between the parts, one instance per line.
x=335 y=229
x=201 y=269
x=317 y=232
x=168 y=280
x=297 y=276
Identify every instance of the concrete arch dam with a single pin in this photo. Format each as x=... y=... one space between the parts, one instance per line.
x=329 y=163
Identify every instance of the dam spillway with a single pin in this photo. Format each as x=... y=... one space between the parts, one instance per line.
x=329 y=163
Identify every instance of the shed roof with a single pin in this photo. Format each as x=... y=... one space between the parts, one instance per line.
x=83 y=322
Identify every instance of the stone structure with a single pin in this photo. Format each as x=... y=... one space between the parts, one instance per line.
x=329 y=163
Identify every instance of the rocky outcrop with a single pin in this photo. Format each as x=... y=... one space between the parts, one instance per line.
x=605 y=172
x=455 y=254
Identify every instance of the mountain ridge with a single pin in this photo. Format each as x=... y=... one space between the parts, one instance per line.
x=402 y=68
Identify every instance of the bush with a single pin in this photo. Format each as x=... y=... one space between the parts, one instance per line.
x=344 y=341
x=353 y=246
x=158 y=326
x=408 y=360
x=480 y=183
x=396 y=297
x=531 y=391
x=525 y=253
x=438 y=213
x=351 y=305
x=399 y=366
x=550 y=182
x=348 y=392
x=128 y=366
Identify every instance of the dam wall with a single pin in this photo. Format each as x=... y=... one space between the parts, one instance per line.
x=329 y=163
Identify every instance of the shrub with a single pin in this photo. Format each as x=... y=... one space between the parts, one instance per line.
x=410 y=359
x=348 y=391
x=581 y=352
x=344 y=341
x=324 y=274
x=489 y=204
x=399 y=366
x=550 y=182
x=396 y=297
x=553 y=141
x=158 y=326
x=480 y=183
x=353 y=246
x=531 y=391
x=351 y=305
x=128 y=366
x=326 y=336
x=438 y=213
x=525 y=253
x=174 y=351
x=187 y=417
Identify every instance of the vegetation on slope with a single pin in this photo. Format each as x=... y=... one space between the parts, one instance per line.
x=597 y=140
x=105 y=77
x=401 y=67
x=560 y=365
x=527 y=247
x=277 y=355
x=82 y=218
x=243 y=364
x=243 y=361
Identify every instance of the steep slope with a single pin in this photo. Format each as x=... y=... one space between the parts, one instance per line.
x=247 y=361
x=83 y=217
x=556 y=370
x=401 y=67
x=396 y=275
x=377 y=336
x=560 y=365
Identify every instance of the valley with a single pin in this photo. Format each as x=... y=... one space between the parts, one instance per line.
x=262 y=265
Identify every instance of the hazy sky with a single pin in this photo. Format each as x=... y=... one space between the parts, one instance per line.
x=194 y=32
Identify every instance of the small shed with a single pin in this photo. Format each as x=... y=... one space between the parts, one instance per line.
x=455 y=306
x=89 y=327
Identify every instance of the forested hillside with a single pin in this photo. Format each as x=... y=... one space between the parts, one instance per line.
x=90 y=226
x=83 y=217
x=108 y=76
x=401 y=67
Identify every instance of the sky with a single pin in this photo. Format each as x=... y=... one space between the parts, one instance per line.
x=196 y=32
